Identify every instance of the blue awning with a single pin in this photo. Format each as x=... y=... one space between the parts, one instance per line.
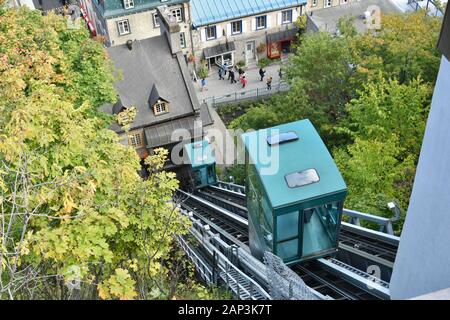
x=212 y=11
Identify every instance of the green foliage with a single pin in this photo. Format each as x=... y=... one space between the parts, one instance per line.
x=236 y=171
x=374 y=174
x=346 y=26
x=369 y=96
x=240 y=64
x=202 y=72
x=265 y=62
x=69 y=191
x=385 y=107
x=404 y=48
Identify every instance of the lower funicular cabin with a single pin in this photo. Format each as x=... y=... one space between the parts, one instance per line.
x=295 y=193
x=203 y=163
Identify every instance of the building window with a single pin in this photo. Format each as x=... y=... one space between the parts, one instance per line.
x=236 y=27
x=128 y=4
x=124 y=27
x=156 y=21
x=136 y=139
x=286 y=16
x=261 y=22
x=327 y=3
x=211 y=33
x=178 y=14
x=314 y=3
x=160 y=107
x=182 y=40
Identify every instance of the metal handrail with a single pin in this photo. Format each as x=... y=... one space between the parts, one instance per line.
x=279 y=86
x=241 y=284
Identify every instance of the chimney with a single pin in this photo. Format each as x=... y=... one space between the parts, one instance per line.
x=169 y=28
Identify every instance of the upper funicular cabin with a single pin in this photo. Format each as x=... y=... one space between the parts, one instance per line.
x=295 y=193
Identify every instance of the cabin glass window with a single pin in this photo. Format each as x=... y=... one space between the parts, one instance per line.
x=320 y=228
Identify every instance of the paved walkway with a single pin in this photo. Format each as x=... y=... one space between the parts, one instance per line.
x=221 y=140
x=216 y=88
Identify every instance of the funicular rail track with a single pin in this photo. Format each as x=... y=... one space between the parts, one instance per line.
x=236 y=203
x=315 y=274
x=376 y=248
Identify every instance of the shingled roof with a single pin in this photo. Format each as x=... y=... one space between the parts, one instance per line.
x=150 y=72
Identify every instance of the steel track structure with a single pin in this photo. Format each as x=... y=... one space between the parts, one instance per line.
x=331 y=278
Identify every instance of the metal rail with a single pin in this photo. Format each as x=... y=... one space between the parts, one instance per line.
x=226 y=199
x=359 y=247
x=380 y=246
x=233 y=228
x=354 y=278
x=385 y=224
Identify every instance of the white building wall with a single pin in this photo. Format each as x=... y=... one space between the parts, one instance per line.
x=423 y=260
x=249 y=33
x=142 y=27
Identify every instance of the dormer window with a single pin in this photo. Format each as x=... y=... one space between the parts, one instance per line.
x=128 y=4
x=160 y=107
x=157 y=102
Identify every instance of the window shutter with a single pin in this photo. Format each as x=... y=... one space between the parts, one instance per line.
x=244 y=26
x=228 y=29
x=219 y=31
x=279 y=18
x=253 y=24
x=203 y=34
x=295 y=14
x=268 y=21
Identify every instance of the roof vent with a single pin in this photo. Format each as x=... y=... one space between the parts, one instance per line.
x=302 y=178
x=281 y=138
x=130 y=45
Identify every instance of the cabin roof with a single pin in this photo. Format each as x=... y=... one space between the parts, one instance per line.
x=308 y=152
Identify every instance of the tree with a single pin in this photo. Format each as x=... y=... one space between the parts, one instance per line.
x=322 y=64
x=76 y=219
x=386 y=107
x=346 y=26
x=404 y=48
x=44 y=48
x=375 y=176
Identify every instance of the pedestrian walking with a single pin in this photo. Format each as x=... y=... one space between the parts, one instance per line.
x=243 y=81
x=262 y=73
x=203 y=84
x=280 y=74
x=232 y=76
x=240 y=71
x=221 y=74
x=269 y=83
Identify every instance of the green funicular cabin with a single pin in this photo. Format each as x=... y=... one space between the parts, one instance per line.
x=295 y=193
x=203 y=163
